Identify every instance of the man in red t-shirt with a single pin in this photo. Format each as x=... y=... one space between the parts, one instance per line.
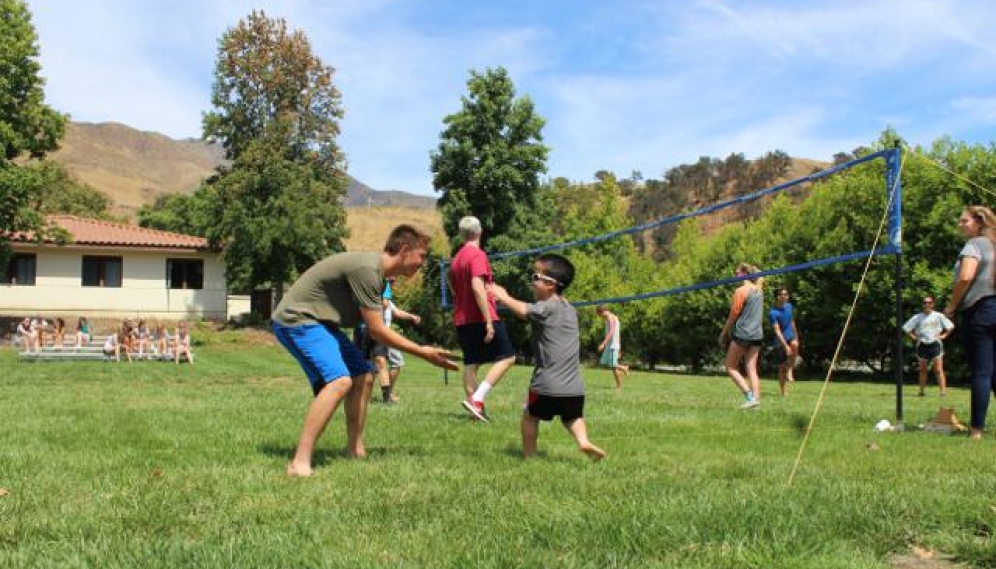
x=481 y=335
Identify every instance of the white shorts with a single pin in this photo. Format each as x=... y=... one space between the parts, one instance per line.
x=395 y=358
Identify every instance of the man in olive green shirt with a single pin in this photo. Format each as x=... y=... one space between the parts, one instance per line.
x=341 y=291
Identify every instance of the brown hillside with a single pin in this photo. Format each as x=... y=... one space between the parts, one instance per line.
x=369 y=226
x=132 y=167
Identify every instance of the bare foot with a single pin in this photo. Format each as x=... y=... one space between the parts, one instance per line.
x=594 y=453
x=296 y=470
x=976 y=435
x=358 y=451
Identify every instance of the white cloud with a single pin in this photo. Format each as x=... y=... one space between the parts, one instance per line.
x=644 y=85
x=867 y=35
x=976 y=109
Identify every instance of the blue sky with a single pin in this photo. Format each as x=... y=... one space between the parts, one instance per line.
x=624 y=85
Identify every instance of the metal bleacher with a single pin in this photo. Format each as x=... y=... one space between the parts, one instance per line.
x=92 y=351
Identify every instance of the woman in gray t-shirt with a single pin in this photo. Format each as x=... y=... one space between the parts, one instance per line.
x=974 y=296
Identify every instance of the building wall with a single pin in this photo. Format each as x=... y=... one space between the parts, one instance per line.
x=58 y=286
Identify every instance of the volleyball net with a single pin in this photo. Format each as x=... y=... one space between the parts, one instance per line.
x=892 y=244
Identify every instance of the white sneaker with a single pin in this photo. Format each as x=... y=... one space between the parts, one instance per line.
x=750 y=404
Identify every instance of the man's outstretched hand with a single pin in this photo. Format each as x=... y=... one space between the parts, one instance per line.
x=439 y=358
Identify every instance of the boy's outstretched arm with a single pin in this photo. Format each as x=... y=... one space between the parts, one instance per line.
x=517 y=307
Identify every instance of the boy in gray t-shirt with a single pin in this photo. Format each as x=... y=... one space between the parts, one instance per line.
x=556 y=387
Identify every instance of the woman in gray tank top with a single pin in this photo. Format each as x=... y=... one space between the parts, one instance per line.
x=743 y=335
x=974 y=297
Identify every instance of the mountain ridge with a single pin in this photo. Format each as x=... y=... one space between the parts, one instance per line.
x=133 y=167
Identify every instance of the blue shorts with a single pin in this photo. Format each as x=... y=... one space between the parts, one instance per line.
x=324 y=352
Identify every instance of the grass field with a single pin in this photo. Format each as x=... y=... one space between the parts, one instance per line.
x=157 y=465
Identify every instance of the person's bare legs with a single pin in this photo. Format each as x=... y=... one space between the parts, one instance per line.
x=791 y=360
x=922 y=378
x=383 y=376
x=617 y=376
x=530 y=434
x=470 y=379
x=733 y=355
x=357 y=400
x=392 y=375
x=942 y=380
x=783 y=379
x=580 y=432
x=750 y=362
x=498 y=370
x=319 y=413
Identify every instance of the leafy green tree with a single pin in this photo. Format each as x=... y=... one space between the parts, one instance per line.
x=274 y=218
x=27 y=125
x=59 y=193
x=490 y=156
x=180 y=213
x=276 y=208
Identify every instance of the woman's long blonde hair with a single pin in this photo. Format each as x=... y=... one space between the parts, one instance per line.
x=987 y=221
x=749 y=269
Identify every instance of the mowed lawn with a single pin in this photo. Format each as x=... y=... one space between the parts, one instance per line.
x=157 y=465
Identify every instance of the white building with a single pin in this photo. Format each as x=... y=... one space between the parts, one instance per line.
x=115 y=270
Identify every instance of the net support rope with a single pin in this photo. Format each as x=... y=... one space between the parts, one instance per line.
x=847 y=323
x=953 y=173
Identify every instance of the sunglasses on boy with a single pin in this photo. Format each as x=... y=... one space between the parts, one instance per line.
x=538 y=277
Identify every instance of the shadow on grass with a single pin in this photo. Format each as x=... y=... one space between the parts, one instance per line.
x=800 y=423
x=515 y=451
x=320 y=457
x=323 y=456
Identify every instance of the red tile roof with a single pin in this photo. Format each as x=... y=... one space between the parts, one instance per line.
x=108 y=233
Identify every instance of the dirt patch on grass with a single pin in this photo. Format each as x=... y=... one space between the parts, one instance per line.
x=220 y=334
x=920 y=558
x=258 y=337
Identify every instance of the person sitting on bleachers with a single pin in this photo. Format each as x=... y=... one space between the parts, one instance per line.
x=181 y=343
x=160 y=341
x=115 y=344
x=142 y=339
x=58 y=333
x=129 y=337
x=27 y=336
x=83 y=333
x=39 y=326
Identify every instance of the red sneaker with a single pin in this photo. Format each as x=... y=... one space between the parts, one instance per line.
x=476 y=409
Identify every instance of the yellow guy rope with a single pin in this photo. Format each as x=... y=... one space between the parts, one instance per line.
x=843 y=334
x=953 y=173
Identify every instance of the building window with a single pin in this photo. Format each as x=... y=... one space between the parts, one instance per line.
x=21 y=270
x=102 y=272
x=185 y=273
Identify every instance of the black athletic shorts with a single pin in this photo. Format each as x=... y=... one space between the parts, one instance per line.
x=475 y=351
x=747 y=343
x=930 y=352
x=546 y=407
